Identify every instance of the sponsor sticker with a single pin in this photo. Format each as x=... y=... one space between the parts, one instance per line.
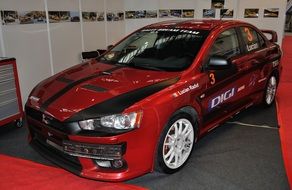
x=214 y=102
x=185 y=90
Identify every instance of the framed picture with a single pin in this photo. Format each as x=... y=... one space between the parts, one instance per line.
x=272 y=12
x=176 y=13
x=115 y=16
x=9 y=17
x=188 y=13
x=65 y=16
x=54 y=16
x=226 y=13
x=140 y=14
x=39 y=17
x=164 y=13
x=130 y=14
x=89 y=16
x=74 y=16
x=151 y=13
x=209 y=13
x=217 y=4
x=251 y=13
x=100 y=16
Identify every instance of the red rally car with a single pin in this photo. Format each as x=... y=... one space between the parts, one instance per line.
x=143 y=104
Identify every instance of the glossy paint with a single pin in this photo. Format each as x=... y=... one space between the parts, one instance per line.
x=195 y=89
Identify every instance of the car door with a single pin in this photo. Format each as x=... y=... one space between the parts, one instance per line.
x=226 y=90
x=255 y=58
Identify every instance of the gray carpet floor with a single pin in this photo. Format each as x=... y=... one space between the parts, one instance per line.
x=232 y=156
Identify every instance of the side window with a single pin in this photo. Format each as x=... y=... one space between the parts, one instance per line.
x=252 y=40
x=262 y=41
x=226 y=45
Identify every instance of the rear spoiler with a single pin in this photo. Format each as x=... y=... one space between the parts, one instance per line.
x=271 y=35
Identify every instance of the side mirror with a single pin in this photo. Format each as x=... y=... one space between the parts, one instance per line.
x=218 y=63
x=110 y=47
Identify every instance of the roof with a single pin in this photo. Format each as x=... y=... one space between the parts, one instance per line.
x=192 y=24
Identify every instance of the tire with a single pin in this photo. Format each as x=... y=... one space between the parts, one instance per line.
x=176 y=143
x=270 y=91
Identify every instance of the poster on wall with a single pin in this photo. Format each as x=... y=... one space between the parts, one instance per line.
x=209 y=13
x=115 y=16
x=226 y=13
x=89 y=16
x=217 y=4
x=272 y=12
x=176 y=13
x=74 y=16
x=100 y=16
x=151 y=13
x=164 y=13
x=130 y=14
x=64 y=16
x=9 y=17
x=188 y=13
x=25 y=17
x=140 y=14
x=39 y=17
x=251 y=13
x=54 y=16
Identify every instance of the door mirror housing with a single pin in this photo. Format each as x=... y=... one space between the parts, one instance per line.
x=218 y=63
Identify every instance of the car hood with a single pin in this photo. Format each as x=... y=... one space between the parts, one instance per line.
x=93 y=89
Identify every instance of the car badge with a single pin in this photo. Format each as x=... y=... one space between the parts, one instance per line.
x=50 y=134
x=45 y=119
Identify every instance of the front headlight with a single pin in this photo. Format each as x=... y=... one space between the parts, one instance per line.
x=118 y=121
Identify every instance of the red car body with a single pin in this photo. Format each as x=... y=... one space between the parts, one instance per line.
x=94 y=87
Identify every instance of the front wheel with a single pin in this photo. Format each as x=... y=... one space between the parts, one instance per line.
x=176 y=144
x=270 y=91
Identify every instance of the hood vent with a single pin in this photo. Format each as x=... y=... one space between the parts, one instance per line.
x=94 y=88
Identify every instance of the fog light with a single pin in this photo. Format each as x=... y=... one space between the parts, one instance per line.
x=102 y=163
x=118 y=163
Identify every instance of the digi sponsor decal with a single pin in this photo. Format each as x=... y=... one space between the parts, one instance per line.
x=185 y=90
x=222 y=98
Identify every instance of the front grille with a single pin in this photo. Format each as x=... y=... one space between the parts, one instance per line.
x=39 y=143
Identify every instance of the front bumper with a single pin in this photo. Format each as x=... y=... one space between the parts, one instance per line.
x=110 y=158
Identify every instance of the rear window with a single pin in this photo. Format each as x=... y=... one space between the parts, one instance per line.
x=251 y=39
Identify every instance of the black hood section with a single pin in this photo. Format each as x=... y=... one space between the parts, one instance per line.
x=119 y=103
x=72 y=84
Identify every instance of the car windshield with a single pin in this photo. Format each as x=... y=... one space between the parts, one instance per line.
x=158 y=49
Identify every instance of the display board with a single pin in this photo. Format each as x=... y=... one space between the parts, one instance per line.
x=47 y=36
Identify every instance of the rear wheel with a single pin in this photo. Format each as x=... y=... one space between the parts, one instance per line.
x=176 y=143
x=270 y=91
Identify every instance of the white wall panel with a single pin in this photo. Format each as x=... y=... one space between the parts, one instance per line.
x=28 y=44
x=94 y=33
x=66 y=45
x=65 y=36
x=116 y=29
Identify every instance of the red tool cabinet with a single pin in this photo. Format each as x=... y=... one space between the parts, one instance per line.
x=10 y=98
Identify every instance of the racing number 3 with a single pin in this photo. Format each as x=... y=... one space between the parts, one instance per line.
x=249 y=35
x=212 y=78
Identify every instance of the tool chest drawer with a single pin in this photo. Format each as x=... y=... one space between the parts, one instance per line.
x=10 y=99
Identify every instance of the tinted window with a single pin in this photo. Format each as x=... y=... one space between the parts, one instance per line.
x=250 y=38
x=226 y=44
x=158 y=49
